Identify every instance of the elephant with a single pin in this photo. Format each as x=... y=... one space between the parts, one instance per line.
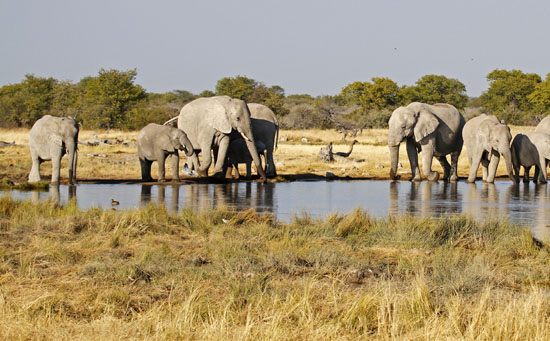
x=486 y=139
x=155 y=142
x=531 y=149
x=544 y=126
x=50 y=138
x=436 y=130
x=209 y=121
x=265 y=128
x=238 y=153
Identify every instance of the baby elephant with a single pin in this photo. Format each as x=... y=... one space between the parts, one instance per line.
x=238 y=153
x=531 y=149
x=155 y=142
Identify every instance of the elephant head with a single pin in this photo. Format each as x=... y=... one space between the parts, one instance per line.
x=179 y=141
x=414 y=121
x=497 y=137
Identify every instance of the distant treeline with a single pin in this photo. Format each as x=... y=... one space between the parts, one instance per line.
x=112 y=99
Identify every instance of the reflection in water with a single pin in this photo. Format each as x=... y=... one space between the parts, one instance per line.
x=523 y=203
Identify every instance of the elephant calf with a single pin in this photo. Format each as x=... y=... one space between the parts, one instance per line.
x=155 y=142
x=487 y=138
x=238 y=153
x=531 y=149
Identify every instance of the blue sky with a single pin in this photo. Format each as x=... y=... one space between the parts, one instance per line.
x=314 y=47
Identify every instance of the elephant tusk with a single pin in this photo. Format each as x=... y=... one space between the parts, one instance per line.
x=246 y=138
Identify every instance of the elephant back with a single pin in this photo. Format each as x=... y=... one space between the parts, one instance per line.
x=544 y=125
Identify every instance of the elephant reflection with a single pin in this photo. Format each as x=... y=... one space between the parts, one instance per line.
x=424 y=198
x=537 y=195
x=485 y=200
x=53 y=194
x=146 y=197
x=237 y=195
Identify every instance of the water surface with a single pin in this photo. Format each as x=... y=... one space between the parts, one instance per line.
x=524 y=203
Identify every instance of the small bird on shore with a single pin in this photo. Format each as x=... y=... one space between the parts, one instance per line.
x=114 y=202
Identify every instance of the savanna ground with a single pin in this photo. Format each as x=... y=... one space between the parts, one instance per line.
x=151 y=274
x=294 y=157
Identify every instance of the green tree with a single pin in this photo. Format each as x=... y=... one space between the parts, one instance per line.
x=508 y=95
x=540 y=97
x=382 y=93
x=240 y=87
x=110 y=96
x=207 y=93
x=437 y=89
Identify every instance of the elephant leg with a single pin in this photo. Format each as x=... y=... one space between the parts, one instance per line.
x=542 y=170
x=145 y=169
x=236 y=168
x=56 y=164
x=412 y=153
x=222 y=152
x=454 y=166
x=34 y=175
x=493 y=165
x=270 y=164
x=206 y=158
x=175 y=166
x=446 y=167
x=474 y=165
x=526 y=171
x=161 y=159
x=427 y=158
x=516 y=167
x=248 y=169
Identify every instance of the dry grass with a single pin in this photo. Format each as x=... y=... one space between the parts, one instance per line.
x=150 y=274
x=370 y=157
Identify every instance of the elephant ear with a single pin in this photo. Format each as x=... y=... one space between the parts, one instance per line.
x=484 y=137
x=216 y=117
x=56 y=139
x=166 y=143
x=425 y=125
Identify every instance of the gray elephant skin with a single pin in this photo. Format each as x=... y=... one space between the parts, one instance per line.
x=208 y=122
x=238 y=153
x=486 y=139
x=155 y=142
x=531 y=149
x=436 y=130
x=544 y=126
x=51 y=138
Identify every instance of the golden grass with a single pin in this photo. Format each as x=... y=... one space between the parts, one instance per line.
x=150 y=274
x=370 y=157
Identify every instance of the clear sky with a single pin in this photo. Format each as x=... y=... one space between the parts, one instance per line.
x=314 y=47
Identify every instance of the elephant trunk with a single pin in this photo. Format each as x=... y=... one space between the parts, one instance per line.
x=184 y=141
x=256 y=158
x=71 y=147
x=394 y=160
x=509 y=167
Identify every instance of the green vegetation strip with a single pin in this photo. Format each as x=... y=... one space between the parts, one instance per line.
x=148 y=273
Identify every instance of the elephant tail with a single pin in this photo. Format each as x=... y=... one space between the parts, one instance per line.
x=169 y=122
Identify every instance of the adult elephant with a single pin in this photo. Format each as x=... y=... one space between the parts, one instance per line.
x=51 y=138
x=155 y=142
x=210 y=120
x=544 y=126
x=238 y=153
x=265 y=128
x=486 y=139
x=436 y=130
x=531 y=149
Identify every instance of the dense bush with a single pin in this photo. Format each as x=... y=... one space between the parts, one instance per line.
x=112 y=99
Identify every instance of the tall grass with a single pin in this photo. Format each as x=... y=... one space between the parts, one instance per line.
x=148 y=273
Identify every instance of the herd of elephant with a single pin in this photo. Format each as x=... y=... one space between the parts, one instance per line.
x=238 y=132
x=438 y=130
